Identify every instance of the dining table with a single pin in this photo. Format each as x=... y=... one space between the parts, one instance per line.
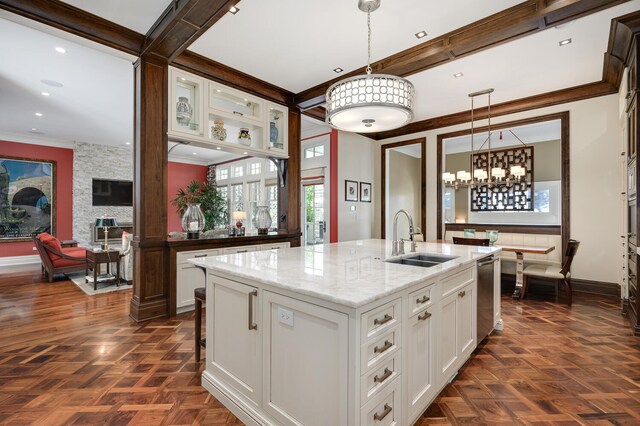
x=520 y=250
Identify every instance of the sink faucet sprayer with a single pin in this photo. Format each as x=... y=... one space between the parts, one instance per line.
x=398 y=246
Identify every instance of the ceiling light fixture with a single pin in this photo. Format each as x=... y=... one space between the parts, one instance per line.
x=233 y=10
x=38 y=114
x=458 y=75
x=218 y=148
x=338 y=70
x=370 y=102
x=127 y=143
x=45 y=93
x=421 y=34
x=61 y=50
x=564 y=42
x=195 y=153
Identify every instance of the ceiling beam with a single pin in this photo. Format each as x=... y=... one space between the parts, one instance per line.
x=205 y=67
x=571 y=94
x=181 y=24
x=526 y=18
x=76 y=21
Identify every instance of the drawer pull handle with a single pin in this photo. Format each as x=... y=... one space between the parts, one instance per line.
x=424 y=316
x=241 y=251
x=252 y=325
x=387 y=345
x=385 y=413
x=462 y=293
x=238 y=113
x=385 y=376
x=424 y=299
x=384 y=320
x=201 y=255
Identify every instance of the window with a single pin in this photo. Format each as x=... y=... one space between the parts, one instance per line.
x=238 y=171
x=541 y=200
x=272 y=203
x=253 y=188
x=222 y=174
x=272 y=166
x=314 y=151
x=237 y=203
x=224 y=193
x=255 y=168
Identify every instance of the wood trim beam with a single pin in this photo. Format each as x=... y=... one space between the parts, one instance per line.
x=571 y=94
x=181 y=24
x=526 y=18
x=620 y=38
x=76 y=21
x=207 y=68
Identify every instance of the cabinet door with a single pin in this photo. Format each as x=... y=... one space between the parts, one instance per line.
x=306 y=362
x=421 y=357
x=186 y=103
x=236 y=337
x=278 y=125
x=466 y=321
x=497 y=312
x=448 y=337
x=188 y=278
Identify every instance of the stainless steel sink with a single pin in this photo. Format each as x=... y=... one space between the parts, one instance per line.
x=423 y=260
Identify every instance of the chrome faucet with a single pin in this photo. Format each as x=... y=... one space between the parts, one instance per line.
x=398 y=246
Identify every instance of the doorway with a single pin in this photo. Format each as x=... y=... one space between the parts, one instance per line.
x=315 y=223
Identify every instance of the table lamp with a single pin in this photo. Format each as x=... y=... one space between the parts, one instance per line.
x=105 y=223
x=239 y=216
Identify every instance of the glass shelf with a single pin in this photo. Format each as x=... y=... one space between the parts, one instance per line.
x=277 y=131
x=231 y=101
x=227 y=130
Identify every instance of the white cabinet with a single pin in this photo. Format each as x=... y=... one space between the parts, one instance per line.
x=421 y=375
x=241 y=249
x=188 y=278
x=236 y=354
x=186 y=103
x=466 y=321
x=306 y=362
x=274 y=246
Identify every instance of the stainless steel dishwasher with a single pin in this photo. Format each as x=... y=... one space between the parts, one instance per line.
x=485 y=297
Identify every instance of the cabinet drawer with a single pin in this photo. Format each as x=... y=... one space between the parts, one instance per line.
x=420 y=299
x=455 y=281
x=384 y=409
x=376 y=381
x=379 y=320
x=274 y=246
x=375 y=353
x=183 y=256
x=242 y=249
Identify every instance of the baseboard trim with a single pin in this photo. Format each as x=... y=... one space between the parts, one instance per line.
x=19 y=260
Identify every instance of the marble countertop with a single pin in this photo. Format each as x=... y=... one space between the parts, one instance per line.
x=351 y=273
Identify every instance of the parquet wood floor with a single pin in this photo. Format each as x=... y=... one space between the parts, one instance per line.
x=67 y=358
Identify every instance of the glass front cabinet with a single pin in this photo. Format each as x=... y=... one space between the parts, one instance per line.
x=216 y=115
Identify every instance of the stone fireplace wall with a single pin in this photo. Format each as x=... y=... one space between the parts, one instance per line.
x=101 y=162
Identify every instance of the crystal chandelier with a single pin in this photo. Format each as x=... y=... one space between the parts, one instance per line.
x=371 y=102
x=491 y=176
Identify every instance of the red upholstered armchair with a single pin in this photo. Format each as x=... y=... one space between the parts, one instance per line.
x=59 y=260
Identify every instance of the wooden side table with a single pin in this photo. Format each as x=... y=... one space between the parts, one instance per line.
x=95 y=258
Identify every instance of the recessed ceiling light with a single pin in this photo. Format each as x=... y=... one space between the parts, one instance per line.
x=45 y=93
x=61 y=49
x=234 y=10
x=458 y=75
x=38 y=114
x=33 y=129
x=564 y=42
x=244 y=153
x=51 y=83
x=421 y=34
x=338 y=70
x=218 y=148
x=36 y=131
x=195 y=153
x=127 y=143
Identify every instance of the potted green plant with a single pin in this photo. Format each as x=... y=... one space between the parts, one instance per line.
x=212 y=204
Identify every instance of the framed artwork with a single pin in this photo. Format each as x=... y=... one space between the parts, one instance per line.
x=365 y=192
x=350 y=190
x=27 y=198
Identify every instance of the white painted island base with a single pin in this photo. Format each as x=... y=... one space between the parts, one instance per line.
x=279 y=355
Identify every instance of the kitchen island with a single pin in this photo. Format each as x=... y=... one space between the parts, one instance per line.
x=337 y=334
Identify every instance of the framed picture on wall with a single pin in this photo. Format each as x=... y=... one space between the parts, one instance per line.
x=350 y=190
x=27 y=198
x=365 y=192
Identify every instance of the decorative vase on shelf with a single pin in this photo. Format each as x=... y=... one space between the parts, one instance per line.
x=218 y=132
x=263 y=220
x=273 y=133
x=492 y=235
x=469 y=233
x=184 y=111
x=244 y=137
x=193 y=221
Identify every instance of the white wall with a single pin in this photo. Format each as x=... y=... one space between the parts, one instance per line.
x=595 y=183
x=356 y=162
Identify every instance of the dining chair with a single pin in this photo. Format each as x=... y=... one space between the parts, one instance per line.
x=471 y=241
x=553 y=272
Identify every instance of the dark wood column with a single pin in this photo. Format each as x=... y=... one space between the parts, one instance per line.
x=150 y=263
x=289 y=196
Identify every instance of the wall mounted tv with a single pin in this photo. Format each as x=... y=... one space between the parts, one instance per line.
x=112 y=192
